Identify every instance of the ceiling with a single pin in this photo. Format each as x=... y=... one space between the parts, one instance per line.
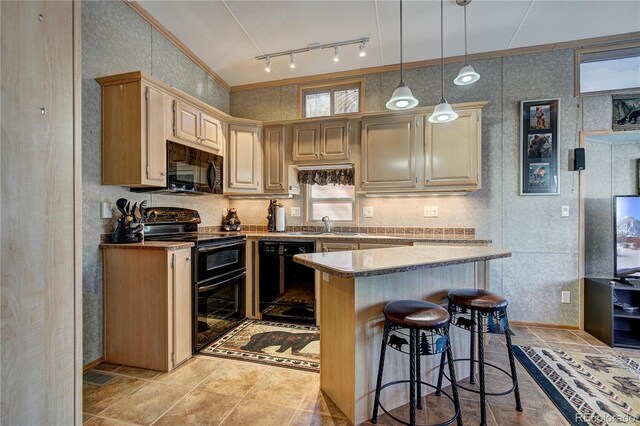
x=227 y=35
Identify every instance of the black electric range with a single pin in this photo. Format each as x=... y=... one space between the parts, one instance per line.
x=218 y=270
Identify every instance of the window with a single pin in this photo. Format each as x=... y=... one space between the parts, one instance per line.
x=330 y=99
x=608 y=70
x=336 y=201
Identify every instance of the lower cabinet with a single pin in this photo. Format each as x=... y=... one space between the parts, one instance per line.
x=147 y=306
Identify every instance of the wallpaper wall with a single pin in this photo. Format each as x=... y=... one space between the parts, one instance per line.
x=115 y=39
x=544 y=244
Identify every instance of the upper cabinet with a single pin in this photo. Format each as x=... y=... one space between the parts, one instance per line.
x=274 y=159
x=134 y=133
x=196 y=126
x=389 y=152
x=452 y=152
x=325 y=142
x=244 y=159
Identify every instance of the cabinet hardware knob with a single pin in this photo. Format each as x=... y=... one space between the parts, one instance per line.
x=188 y=259
x=163 y=174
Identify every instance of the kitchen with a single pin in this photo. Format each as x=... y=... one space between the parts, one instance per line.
x=117 y=39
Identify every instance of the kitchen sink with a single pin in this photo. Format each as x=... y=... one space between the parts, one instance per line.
x=305 y=233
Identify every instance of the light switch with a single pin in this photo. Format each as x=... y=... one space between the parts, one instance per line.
x=105 y=210
x=367 y=211
x=295 y=211
x=565 y=211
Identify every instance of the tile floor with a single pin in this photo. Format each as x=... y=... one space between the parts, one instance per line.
x=213 y=391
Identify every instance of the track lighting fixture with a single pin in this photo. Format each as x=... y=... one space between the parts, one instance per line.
x=402 y=98
x=443 y=113
x=361 y=42
x=467 y=74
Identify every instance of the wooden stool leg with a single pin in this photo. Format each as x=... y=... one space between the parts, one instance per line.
x=383 y=350
x=483 y=405
x=418 y=375
x=412 y=377
x=514 y=374
x=472 y=350
x=452 y=374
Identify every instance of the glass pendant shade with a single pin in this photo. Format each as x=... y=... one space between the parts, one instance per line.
x=467 y=75
x=443 y=113
x=402 y=98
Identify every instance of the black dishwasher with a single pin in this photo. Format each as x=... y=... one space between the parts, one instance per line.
x=287 y=289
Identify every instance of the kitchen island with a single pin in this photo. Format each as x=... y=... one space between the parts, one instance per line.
x=355 y=287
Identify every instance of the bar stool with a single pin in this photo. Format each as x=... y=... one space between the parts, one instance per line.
x=480 y=311
x=428 y=326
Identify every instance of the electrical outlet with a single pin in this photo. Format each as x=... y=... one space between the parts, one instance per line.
x=295 y=211
x=430 y=211
x=105 y=210
x=566 y=297
x=564 y=212
x=367 y=211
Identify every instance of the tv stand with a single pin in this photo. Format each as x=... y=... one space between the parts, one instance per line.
x=609 y=323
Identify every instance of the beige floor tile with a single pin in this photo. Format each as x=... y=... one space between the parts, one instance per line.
x=199 y=407
x=557 y=335
x=306 y=418
x=146 y=404
x=318 y=401
x=192 y=372
x=508 y=416
x=440 y=409
x=401 y=413
x=97 y=398
x=106 y=366
x=531 y=396
x=282 y=386
x=254 y=412
x=521 y=331
x=101 y=421
x=86 y=416
x=236 y=378
x=140 y=373
x=588 y=338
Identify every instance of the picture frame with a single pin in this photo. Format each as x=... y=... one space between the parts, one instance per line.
x=625 y=113
x=539 y=147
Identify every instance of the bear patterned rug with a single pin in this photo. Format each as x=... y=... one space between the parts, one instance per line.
x=589 y=389
x=273 y=343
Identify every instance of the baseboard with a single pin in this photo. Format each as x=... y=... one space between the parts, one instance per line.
x=543 y=325
x=92 y=364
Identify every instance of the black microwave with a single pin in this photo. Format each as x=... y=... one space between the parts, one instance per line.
x=190 y=171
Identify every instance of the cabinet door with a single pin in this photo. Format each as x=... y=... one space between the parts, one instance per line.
x=156 y=140
x=274 y=167
x=334 y=140
x=182 y=321
x=245 y=158
x=187 y=122
x=329 y=247
x=388 y=152
x=365 y=246
x=211 y=134
x=452 y=152
x=306 y=138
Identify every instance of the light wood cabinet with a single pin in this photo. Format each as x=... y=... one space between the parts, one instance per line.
x=365 y=246
x=389 y=152
x=147 y=293
x=274 y=159
x=337 y=246
x=133 y=133
x=452 y=152
x=244 y=159
x=196 y=126
x=326 y=141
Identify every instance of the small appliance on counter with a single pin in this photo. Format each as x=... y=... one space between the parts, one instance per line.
x=231 y=221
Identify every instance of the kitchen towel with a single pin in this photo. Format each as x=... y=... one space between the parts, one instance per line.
x=280 y=219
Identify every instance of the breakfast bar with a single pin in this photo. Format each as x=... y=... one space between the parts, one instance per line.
x=355 y=287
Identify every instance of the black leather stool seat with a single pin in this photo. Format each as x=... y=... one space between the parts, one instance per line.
x=478 y=300
x=416 y=313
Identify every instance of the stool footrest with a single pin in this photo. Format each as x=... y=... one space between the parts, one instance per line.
x=507 y=392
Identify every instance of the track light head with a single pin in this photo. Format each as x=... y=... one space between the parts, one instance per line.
x=363 y=50
x=292 y=64
x=336 y=58
x=267 y=68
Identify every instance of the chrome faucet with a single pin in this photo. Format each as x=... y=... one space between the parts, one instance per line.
x=327 y=223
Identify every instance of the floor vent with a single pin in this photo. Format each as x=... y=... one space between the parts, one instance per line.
x=95 y=378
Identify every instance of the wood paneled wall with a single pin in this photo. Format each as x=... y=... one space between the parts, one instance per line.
x=40 y=211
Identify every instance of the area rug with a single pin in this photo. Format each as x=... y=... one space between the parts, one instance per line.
x=272 y=343
x=589 y=389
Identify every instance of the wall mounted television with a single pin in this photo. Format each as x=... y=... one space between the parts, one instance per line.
x=626 y=241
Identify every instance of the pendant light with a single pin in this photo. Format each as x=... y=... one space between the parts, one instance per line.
x=402 y=97
x=467 y=74
x=443 y=113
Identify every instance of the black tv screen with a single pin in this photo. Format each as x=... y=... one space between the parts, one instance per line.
x=626 y=255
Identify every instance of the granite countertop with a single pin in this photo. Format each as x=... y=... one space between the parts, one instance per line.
x=367 y=238
x=364 y=263
x=160 y=245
